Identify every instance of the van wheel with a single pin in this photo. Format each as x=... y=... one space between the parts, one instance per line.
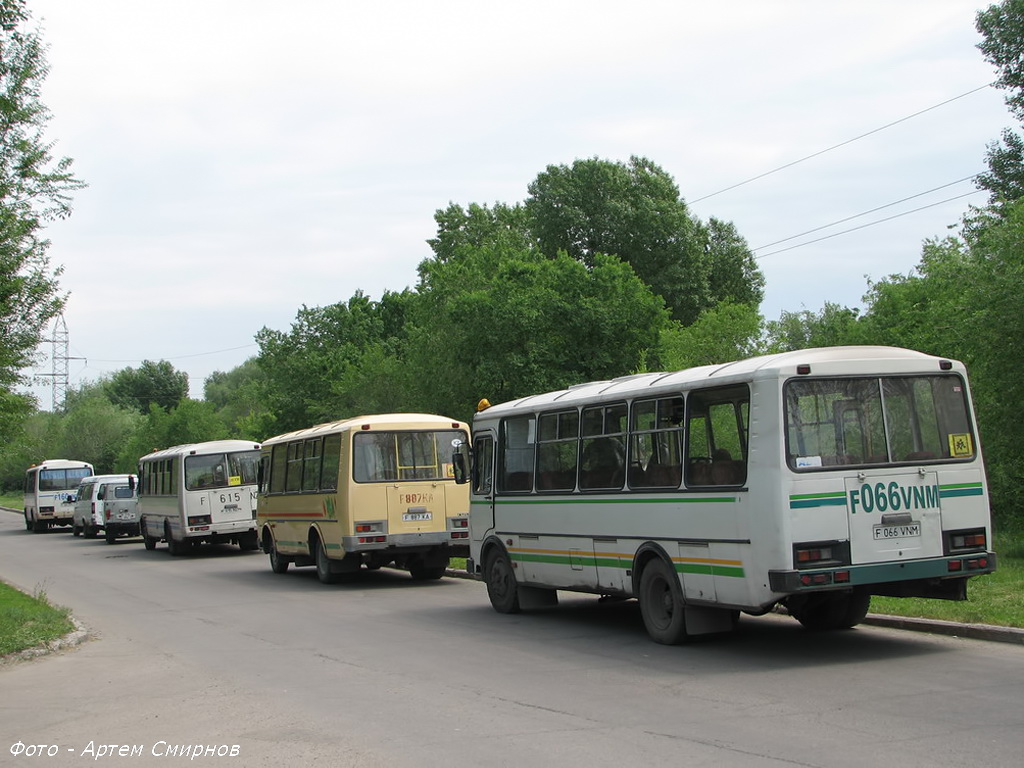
x=661 y=604
x=76 y=530
x=501 y=582
x=110 y=537
x=248 y=542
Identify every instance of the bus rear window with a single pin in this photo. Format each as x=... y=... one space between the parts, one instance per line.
x=877 y=421
x=390 y=456
x=61 y=479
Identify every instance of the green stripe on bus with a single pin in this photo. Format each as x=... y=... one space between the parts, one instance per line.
x=957 y=490
x=808 y=500
x=709 y=569
x=621 y=500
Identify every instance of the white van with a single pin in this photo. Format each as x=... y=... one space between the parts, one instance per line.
x=108 y=503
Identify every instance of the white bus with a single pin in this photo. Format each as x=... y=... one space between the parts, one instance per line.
x=369 y=491
x=199 y=492
x=810 y=479
x=50 y=492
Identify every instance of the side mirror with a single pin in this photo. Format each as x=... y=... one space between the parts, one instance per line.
x=460 y=464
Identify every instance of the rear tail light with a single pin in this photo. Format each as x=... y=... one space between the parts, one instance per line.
x=961 y=540
x=199 y=520
x=816 y=555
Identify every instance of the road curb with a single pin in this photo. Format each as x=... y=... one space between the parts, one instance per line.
x=988 y=632
x=72 y=639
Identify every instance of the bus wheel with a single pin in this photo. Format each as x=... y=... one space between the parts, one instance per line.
x=422 y=572
x=278 y=562
x=661 y=604
x=838 y=610
x=176 y=548
x=148 y=541
x=323 y=565
x=501 y=582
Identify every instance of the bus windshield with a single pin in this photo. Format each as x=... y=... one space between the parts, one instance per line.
x=62 y=479
x=219 y=470
x=387 y=456
x=877 y=420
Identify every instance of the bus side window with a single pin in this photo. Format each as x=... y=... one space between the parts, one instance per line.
x=483 y=465
x=716 y=441
x=518 y=440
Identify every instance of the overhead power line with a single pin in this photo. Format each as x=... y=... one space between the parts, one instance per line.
x=869 y=223
x=841 y=144
x=868 y=212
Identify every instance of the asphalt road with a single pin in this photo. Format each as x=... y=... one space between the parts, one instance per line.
x=217 y=651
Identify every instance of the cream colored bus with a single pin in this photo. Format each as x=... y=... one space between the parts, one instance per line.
x=369 y=491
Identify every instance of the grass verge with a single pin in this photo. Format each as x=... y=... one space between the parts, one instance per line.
x=29 y=620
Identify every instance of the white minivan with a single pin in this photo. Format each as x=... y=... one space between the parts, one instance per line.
x=108 y=503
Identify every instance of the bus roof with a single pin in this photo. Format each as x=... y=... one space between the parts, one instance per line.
x=60 y=464
x=212 y=446
x=833 y=361
x=375 y=421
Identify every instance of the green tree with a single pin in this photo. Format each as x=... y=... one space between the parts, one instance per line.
x=1002 y=28
x=326 y=366
x=34 y=188
x=497 y=323
x=240 y=397
x=150 y=384
x=96 y=430
x=191 y=421
x=833 y=325
x=721 y=334
x=634 y=211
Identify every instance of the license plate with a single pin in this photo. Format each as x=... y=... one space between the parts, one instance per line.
x=125 y=516
x=412 y=517
x=897 y=531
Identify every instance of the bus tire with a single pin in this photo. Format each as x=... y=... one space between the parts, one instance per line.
x=661 y=603
x=323 y=565
x=828 y=612
x=502 y=588
x=278 y=562
x=147 y=541
x=176 y=548
x=422 y=572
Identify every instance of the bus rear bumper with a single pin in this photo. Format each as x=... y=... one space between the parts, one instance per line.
x=887 y=578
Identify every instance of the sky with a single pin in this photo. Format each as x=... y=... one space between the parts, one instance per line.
x=245 y=158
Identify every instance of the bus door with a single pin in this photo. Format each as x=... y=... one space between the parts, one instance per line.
x=894 y=517
x=481 y=508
